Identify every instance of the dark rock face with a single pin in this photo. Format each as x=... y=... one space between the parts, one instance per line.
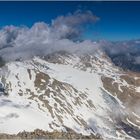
x=125 y=54
x=125 y=61
x=2 y=62
x=130 y=130
x=2 y=90
x=40 y=134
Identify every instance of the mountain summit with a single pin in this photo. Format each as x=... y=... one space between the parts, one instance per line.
x=62 y=91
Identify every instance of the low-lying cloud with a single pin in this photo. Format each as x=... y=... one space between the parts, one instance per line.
x=62 y=34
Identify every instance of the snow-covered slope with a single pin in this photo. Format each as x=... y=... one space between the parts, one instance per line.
x=61 y=91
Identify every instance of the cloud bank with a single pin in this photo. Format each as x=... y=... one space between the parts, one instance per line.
x=64 y=34
x=41 y=39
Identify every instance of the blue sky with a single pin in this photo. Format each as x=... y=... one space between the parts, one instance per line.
x=118 y=20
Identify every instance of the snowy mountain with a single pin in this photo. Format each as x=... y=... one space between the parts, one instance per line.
x=86 y=93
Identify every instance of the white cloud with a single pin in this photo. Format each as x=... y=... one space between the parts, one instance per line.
x=41 y=38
